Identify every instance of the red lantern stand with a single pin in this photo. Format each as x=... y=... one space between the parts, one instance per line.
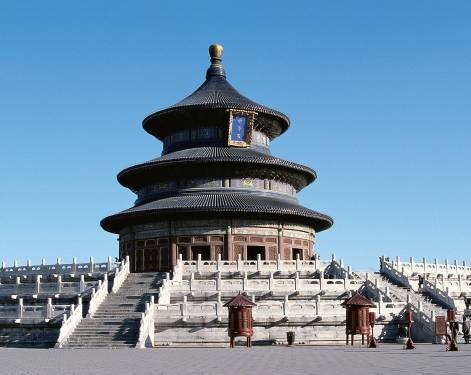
x=409 y=320
x=240 y=318
x=357 y=313
x=452 y=344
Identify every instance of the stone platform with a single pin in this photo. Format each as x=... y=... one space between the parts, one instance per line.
x=388 y=359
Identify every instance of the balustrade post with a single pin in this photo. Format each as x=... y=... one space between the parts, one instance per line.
x=15 y=264
x=82 y=283
x=198 y=263
x=184 y=309
x=387 y=292
x=28 y=263
x=192 y=279
x=218 y=262
x=424 y=262
x=58 y=263
x=380 y=303
x=49 y=309
x=91 y=265
x=245 y=281
x=297 y=262
x=59 y=283
x=278 y=262
x=270 y=281
x=37 y=285
x=239 y=262
x=74 y=265
x=17 y=284
x=318 y=304
x=456 y=266
x=285 y=306
x=398 y=261
x=218 y=281
x=20 y=308
x=411 y=261
x=296 y=280
x=219 y=307
x=341 y=262
x=109 y=264
x=259 y=260
x=4 y=265
x=446 y=266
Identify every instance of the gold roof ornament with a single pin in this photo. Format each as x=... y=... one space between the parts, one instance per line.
x=215 y=51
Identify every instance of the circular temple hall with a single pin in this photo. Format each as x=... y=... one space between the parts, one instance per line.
x=216 y=190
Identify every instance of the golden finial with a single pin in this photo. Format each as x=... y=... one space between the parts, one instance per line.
x=215 y=51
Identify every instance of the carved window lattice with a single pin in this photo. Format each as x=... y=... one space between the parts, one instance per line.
x=256 y=239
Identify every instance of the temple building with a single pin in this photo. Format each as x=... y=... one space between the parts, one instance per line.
x=216 y=188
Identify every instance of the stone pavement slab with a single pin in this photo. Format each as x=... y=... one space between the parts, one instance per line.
x=306 y=360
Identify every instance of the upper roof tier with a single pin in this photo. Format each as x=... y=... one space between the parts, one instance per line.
x=213 y=99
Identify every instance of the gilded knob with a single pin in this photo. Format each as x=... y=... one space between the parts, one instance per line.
x=215 y=51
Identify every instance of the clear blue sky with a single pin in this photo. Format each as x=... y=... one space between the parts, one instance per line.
x=378 y=93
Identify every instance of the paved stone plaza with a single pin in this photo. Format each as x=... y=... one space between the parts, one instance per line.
x=388 y=359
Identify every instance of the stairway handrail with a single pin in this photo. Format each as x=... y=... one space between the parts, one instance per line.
x=69 y=323
x=146 y=326
x=121 y=274
x=98 y=296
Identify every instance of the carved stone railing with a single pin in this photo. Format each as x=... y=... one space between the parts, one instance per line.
x=121 y=274
x=59 y=268
x=98 y=296
x=288 y=285
x=259 y=265
x=392 y=273
x=424 y=267
x=264 y=310
x=146 y=327
x=438 y=294
x=21 y=312
x=69 y=323
x=39 y=287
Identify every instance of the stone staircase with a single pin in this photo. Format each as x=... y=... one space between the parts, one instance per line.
x=116 y=322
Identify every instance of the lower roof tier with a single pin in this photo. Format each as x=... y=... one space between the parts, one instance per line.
x=203 y=161
x=221 y=205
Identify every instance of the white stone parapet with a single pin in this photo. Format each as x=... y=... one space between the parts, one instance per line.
x=37 y=287
x=21 y=312
x=186 y=266
x=267 y=284
x=58 y=268
x=423 y=267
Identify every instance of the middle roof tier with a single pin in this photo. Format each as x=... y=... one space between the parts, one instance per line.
x=216 y=161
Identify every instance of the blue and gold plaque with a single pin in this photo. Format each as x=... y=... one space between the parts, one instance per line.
x=240 y=128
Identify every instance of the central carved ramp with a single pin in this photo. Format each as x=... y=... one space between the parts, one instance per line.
x=116 y=321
